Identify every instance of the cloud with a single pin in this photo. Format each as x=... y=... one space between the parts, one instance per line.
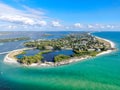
x=105 y=26
x=12 y=27
x=34 y=11
x=95 y=26
x=78 y=25
x=17 y=19
x=42 y=23
x=90 y=26
x=30 y=17
x=56 y=24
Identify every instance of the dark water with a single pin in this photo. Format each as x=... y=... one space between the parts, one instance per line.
x=49 y=57
x=29 y=53
x=99 y=73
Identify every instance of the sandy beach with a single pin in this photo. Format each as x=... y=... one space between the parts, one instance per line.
x=111 y=43
x=68 y=61
x=9 y=58
x=108 y=51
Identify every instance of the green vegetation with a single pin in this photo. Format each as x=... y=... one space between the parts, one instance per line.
x=24 y=52
x=46 y=51
x=33 y=59
x=84 y=53
x=60 y=58
x=14 y=39
x=82 y=44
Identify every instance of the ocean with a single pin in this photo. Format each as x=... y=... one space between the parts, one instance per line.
x=97 y=73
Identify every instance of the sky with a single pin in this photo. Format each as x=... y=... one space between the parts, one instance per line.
x=55 y=15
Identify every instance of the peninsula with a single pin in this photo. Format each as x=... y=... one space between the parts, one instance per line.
x=83 y=46
x=13 y=39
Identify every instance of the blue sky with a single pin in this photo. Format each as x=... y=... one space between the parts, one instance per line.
x=60 y=14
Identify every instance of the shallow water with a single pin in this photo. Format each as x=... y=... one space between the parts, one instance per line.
x=99 y=73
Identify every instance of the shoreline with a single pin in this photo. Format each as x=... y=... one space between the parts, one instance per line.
x=12 y=60
x=108 y=51
x=111 y=43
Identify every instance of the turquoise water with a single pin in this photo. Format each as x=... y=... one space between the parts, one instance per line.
x=99 y=73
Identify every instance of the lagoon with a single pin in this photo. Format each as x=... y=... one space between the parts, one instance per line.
x=49 y=57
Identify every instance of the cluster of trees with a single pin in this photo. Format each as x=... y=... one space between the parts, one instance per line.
x=43 y=44
x=84 y=53
x=79 y=43
x=24 y=52
x=14 y=39
x=33 y=59
x=74 y=41
x=60 y=58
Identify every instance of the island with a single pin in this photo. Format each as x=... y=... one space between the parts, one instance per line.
x=82 y=45
x=4 y=33
x=13 y=39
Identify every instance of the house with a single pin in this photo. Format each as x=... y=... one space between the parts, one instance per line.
x=91 y=49
x=49 y=47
